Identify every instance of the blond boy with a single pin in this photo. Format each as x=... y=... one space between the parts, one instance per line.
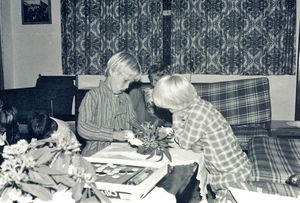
x=200 y=127
x=105 y=111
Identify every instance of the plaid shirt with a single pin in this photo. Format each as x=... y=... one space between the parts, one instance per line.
x=201 y=125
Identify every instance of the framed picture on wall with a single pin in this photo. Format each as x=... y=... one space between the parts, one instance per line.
x=36 y=12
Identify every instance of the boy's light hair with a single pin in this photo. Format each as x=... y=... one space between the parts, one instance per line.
x=173 y=92
x=123 y=63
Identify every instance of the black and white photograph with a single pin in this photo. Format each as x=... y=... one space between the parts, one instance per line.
x=36 y=12
x=141 y=101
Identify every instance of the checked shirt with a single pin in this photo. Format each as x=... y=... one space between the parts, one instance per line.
x=201 y=125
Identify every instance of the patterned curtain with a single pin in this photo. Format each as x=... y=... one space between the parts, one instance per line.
x=93 y=30
x=233 y=37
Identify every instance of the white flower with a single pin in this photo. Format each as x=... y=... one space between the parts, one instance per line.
x=130 y=135
x=64 y=196
x=166 y=130
x=135 y=142
x=15 y=149
x=169 y=131
x=16 y=195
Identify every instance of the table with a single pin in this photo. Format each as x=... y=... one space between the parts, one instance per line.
x=179 y=157
x=286 y=129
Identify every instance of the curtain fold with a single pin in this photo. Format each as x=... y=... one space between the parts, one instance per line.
x=227 y=37
x=233 y=37
x=92 y=31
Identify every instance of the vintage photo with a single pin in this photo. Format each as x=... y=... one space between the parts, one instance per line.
x=36 y=11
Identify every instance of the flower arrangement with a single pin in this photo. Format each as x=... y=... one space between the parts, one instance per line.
x=151 y=140
x=48 y=170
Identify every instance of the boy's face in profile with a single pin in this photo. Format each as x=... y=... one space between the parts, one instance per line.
x=120 y=82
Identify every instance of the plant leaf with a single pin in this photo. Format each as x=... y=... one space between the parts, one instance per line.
x=47 y=170
x=161 y=157
x=64 y=179
x=41 y=178
x=37 y=152
x=167 y=153
x=136 y=125
x=45 y=157
x=151 y=155
x=61 y=163
x=82 y=162
x=77 y=190
x=37 y=190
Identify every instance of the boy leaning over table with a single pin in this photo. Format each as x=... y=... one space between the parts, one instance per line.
x=105 y=111
x=200 y=127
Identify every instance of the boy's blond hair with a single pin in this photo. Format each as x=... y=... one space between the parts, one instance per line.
x=123 y=63
x=173 y=92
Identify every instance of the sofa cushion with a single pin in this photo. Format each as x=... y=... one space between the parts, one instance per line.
x=245 y=133
x=240 y=101
x=274 y=159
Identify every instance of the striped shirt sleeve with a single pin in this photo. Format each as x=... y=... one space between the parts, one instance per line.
x=90 y=125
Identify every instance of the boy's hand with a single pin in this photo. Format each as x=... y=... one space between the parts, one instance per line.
x=158 y=123
x=123 y=135
x=197 y=147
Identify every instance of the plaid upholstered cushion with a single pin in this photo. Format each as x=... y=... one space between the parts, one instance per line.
x=240 y=101
x=274 y=159
x=277 y=188
x=244 y=133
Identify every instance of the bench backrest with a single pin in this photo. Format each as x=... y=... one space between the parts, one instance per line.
x=241 y=102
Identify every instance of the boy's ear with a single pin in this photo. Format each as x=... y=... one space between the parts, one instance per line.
x=112 y=73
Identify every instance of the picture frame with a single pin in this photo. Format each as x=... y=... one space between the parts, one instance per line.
x=36 y=12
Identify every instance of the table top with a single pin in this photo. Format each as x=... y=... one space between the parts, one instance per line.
x=122 y=150
x=279 y=124
x=287 y=129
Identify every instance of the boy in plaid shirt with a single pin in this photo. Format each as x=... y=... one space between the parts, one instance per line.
x=199 y=126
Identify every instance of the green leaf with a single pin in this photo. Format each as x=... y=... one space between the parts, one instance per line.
x=45 y=157
x=37 y=152
x=82 y=162
x=162 y=136
x=47 y=170
x=84 y=193
x=135 y=124
x=77 y=191
x=100 y=195
x=161 y=157
x=151 y=155
x=41 y=178
x=37 y=190
x=167 y=153
x=61 y=163
x=64 y=179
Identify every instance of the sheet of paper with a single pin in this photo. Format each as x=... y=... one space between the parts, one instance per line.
x=244 y=196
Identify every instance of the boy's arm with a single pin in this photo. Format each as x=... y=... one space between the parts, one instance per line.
x=138 y=103
x=187 y=130
x=88 y=125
